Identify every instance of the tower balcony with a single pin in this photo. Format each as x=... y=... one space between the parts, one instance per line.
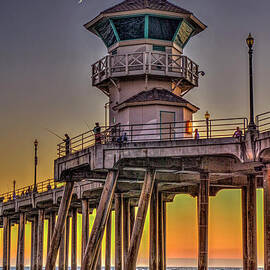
x=155 y=64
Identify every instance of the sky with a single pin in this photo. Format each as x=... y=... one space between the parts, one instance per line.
x=45 y=62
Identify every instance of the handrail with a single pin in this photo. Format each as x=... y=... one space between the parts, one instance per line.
x=28 y=190
x=145 y=62
x=263 y=121
x=119 y=134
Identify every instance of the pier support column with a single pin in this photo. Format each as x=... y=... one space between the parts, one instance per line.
x=34 y=242
x=164 y=235
x=67 y=243
x=59 y=227
x=61 y=257
x=85 y=226
x=104 y=208
x=6 y=243
x=132 y=219
x=266 y=188
x=21 y=240
x=203 y=221
x=74 y=240
x=153 y=230
x=118 y=230
x=145 y=196
x=126 y=226
x=40 y=238
x=244 y=228
x=51 y=224
x=160 y=231
x=108 y=243
x=252 y=223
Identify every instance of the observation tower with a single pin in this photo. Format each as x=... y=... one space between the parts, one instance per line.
x=145 y=74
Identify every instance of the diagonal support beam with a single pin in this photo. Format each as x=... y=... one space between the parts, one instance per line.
x=104 y=208
x=140 y=220
x=59 y=227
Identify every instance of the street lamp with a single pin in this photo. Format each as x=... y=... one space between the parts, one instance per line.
x=36 y=161
x=250 y=43
x=207 y=117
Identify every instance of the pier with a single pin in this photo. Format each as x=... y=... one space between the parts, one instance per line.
x=149 y=150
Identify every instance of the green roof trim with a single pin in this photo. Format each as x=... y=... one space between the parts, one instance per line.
x=146 y=26
x=114 y=30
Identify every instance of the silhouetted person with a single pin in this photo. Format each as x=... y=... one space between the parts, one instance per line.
x=197 y=134
x=67 y=142
x=97 y=132
x=237 y=133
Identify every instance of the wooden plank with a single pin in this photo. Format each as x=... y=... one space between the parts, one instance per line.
x=104 y=208
x=140 y=220
x=118 y=230
x=59 y=227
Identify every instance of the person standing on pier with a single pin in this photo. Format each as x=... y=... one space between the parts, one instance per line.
x=97 y=131
x=67 y=142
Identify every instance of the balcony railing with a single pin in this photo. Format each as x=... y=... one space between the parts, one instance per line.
x=122 y=134
x=154 y=63
x=28 y=190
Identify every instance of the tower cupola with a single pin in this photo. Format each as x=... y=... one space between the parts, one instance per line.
x=145 y=73
x=156 y=22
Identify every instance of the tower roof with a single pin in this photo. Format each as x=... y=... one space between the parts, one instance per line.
x=156 y=95
x=129 y=5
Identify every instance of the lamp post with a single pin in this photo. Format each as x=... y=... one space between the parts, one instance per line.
x=207 y=117
x=250 y=43
x=36 y=161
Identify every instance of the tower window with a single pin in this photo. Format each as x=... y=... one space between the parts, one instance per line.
x=130 y=28
x=162 y=28
x=105 y=30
